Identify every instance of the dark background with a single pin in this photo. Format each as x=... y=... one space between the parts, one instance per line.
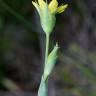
x=22 y=47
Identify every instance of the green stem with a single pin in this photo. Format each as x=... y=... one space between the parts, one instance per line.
x=47 y=47
x=43 y=85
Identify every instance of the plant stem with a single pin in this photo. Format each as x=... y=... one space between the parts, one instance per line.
x=47 y=47
x=43 y=85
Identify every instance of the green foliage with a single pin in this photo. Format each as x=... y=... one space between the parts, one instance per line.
x=50 y=62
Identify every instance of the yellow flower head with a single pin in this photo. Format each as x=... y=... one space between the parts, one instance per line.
x=53 y=6
x=47 y=13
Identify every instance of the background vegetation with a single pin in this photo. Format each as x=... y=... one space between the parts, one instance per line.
x=22 y=49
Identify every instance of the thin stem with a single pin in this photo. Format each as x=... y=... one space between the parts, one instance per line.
x=47 y=47
x=41 y=87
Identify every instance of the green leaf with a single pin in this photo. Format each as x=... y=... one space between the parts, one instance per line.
x=50 y=62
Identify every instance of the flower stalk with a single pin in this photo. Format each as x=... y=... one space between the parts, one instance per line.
x=47 y=47
x=47 y=14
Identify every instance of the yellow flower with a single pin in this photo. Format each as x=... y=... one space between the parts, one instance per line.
x=53 y=6
x=47 y=13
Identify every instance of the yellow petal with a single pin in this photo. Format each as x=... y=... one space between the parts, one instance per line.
x=62 y=8
x=53 y=6
x=41 y=3
x=36 y=6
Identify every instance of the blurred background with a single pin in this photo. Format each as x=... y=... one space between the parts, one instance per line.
x=22 y=47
